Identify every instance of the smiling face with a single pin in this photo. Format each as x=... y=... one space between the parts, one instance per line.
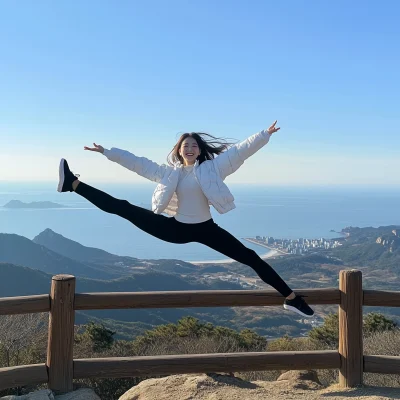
x=189 y=150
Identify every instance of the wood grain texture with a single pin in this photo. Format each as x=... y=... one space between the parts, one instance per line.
x=201 y=363
x=383 y=298
x=22 y=375
x=382 y=364
x=205 y=298
x=61 y=334
x=350 y=328
x=24 y=304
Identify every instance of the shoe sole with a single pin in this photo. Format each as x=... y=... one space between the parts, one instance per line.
x=61 y=176
x=294 y=309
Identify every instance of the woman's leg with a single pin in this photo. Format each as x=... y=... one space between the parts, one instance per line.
x=157 y=225
x=222 y=241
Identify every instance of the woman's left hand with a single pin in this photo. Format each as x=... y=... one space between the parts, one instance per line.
x=272 y=129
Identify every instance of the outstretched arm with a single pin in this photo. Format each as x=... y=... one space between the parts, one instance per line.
x=141 y=165
x=230 y=160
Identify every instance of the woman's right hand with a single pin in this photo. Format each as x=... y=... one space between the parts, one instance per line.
x=97 y=148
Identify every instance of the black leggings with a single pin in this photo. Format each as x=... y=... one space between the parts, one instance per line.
x=170 y=230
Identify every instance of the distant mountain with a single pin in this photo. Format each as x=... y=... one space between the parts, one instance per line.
x=291 y=267
x=16 y=280
x=214 y=269
x=172 y=266
x=17 y=249
x=35 y=204
x=364 y=235
x=379 y=247
x=76 y=251
x=119 y=264
x=19 y=281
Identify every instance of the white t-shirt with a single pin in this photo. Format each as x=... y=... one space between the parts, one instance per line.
x=193 y=206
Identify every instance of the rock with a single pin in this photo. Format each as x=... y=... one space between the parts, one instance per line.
x=303 y=375
x=305 y=379
x=45 y=394
x=218 y=387
x=187 y=387
x=81 y=394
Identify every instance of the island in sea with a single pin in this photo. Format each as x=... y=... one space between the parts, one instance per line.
x=16 y=204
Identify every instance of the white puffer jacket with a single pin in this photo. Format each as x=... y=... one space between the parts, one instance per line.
x=210 y=174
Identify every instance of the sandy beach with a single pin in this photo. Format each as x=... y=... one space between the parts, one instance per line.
x=229 y=260
x=271 y=253
x=264 y=245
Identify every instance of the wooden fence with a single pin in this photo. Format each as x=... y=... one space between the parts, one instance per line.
x=60 y=368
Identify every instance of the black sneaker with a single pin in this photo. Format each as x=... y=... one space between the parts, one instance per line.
x=66 y=177
x=299 y=306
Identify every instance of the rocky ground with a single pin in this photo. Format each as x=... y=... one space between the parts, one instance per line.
x=293 y=385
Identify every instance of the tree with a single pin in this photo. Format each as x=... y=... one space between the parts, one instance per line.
x=328 y=333
x=285 y=343
x=100 y=337
x=376 y=322
x=191 y=331
x=18 y=333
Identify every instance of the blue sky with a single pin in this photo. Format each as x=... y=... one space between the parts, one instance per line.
x=135 y=75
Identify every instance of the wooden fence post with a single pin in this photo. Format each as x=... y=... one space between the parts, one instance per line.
x=61 y=334
x=350 y=328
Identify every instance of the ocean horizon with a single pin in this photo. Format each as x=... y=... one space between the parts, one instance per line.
x=281 y=212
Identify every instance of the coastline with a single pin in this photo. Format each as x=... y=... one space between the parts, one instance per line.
x=264 y=245
x=272 y=253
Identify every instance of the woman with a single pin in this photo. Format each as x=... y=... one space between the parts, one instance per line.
x=186 y=187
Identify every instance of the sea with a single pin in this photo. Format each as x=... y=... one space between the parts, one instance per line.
x=280 y=212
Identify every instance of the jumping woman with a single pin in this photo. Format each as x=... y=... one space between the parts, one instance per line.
x=192 y=181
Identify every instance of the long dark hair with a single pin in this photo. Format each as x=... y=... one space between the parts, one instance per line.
x=209 y=146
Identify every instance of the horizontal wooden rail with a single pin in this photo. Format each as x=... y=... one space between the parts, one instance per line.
x=381 y=298
x=382 y=364
x=64 y=301
x=204 y=298
x=24 y=304
x=121 y=367
x=184 y=299
x=198 y=363
x=23 y=375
